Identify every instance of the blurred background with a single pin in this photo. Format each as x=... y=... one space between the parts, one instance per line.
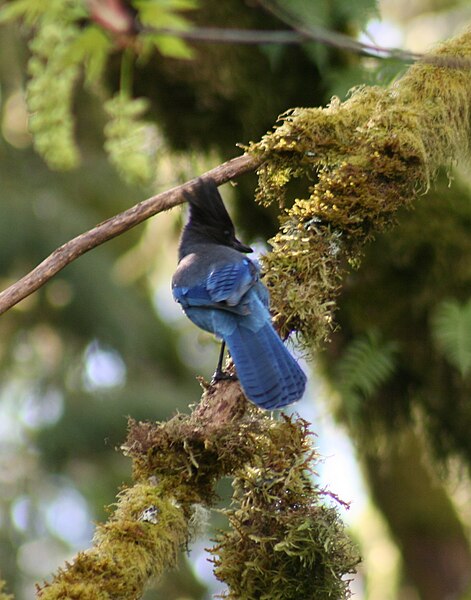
x=389 y=397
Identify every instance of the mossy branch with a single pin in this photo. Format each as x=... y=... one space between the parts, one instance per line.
x=152 y=520
x=358 y=162
x=139 y=542
x=280 y=518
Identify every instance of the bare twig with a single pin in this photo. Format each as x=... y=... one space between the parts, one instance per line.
x=303 y=34
x=218 y=35
x=113 y=227
x=215 y=35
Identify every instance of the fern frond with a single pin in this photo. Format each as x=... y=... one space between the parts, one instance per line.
x=366 y=364
x=451 y=330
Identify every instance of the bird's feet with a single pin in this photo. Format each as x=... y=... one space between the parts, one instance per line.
x=220 y=375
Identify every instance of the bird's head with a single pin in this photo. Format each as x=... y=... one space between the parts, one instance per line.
x=209 y=217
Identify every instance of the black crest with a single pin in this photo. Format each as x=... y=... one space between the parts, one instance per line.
x=207 y=207
x=209 y=220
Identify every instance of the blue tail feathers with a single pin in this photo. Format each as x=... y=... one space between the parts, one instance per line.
x=269 y=375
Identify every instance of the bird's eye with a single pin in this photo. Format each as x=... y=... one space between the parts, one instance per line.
x=227 y=233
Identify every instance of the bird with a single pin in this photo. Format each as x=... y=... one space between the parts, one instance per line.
x=220 y=290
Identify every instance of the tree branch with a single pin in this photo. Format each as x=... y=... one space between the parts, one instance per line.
x=173 y=471
x=113 y=227
x=177 y=465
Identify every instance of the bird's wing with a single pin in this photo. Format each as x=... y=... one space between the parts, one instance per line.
x=223 y=288
x=196 y=295
x=230 y=282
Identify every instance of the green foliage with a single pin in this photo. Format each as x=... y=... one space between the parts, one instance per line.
x=160 y=14
x=451 y=330
x=92 y=48
x=66 y=42
x=50 y=90
x=171 y=46
x=33 y=11
x=325 y=12
x=366 y=364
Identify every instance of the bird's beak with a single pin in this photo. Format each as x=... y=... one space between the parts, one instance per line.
x=241 y=247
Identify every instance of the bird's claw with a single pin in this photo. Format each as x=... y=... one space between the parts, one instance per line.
x=220 y=375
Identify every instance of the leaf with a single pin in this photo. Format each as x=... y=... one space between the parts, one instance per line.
x=451 y=330
x=172 y=46
x=91 y=47
x=161 y=14
x=167 y=5
x=163 y=19
x=32 y=10
x=29 y=10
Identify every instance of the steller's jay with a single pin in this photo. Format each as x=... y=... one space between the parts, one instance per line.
x=220 y=290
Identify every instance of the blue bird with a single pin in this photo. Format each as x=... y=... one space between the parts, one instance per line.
x=220 y=290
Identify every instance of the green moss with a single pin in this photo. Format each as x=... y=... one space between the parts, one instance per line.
x=140 y=540
x=361 y=160
x=285 y=542
x=189 y=461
